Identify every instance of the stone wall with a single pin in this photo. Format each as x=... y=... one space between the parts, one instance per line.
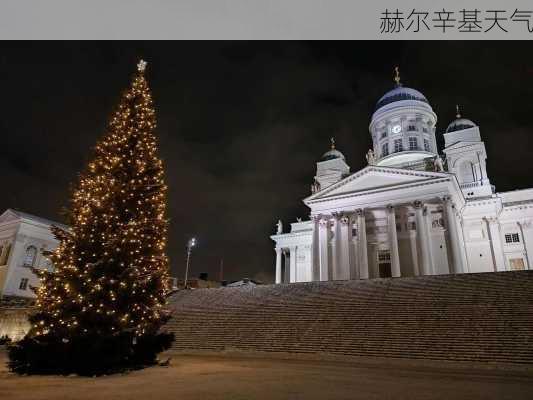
x=14 y=321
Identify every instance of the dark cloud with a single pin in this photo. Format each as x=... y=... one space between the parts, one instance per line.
x=242 y=124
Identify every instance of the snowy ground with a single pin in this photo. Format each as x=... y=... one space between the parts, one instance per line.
x=206 y=377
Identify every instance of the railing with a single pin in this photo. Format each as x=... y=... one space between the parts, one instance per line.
x=469 y=185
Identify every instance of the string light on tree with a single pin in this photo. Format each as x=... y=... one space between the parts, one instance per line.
x=110 y=269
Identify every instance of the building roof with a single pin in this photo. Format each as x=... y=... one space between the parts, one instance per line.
x=24 y=215
x=459 y=124
x=400 y=93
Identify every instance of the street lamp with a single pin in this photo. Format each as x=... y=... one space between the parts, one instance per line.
x=190 y=244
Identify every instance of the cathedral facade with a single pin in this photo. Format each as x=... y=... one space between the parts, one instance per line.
x=411 y=211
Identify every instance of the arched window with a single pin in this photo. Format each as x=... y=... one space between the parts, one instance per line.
x=31 y=255
x=466 y=172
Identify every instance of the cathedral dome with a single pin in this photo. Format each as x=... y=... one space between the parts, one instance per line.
x=459 y=123
x=332 y=154
x=400 y=93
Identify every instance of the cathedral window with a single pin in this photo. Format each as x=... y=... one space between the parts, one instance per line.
x=413 y=143
x=384 y=255
x=512 y=238
x=426 y=145
x=23 y=284
x=31 y=255
x=425 y=130
x=411 y=128
x=398 y=145
x=384 y=149
x=383 y=134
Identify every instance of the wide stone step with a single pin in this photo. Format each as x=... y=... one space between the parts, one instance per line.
x=487 y=317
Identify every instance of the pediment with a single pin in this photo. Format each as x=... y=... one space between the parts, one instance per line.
x=461 y=144
x=8 y=216
x=375 y=178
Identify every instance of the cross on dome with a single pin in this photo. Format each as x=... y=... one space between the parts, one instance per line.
x=457 y=111
x=332 y=153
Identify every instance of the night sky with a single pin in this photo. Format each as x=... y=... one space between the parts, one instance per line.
x=241 y=124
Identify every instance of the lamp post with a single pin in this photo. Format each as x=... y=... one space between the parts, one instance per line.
x=190 y=244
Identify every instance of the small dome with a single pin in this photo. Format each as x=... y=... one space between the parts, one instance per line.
x=459 y=124
x=400 y=93
x=332 y=154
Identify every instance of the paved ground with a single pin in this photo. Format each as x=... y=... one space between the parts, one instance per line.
x=239 y=378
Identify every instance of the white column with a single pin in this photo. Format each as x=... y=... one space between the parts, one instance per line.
x=461 y=234
x=422 y=239
x=335 y=248
x=315 y=255
x=393 y=242
x=278 y=265
x=451 y=225
x=415 y=260
x=363 y=252
x=292 y=258
x=496 y=243
x=344 y=249
x=323 y=248
x=354 y=248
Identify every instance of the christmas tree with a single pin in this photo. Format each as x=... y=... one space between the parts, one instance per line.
x=101 y=308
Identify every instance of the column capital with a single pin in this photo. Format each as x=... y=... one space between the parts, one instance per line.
x=448 y=202
x=526 y=223
x=316 y=218
x=345 y=220
x=337 y=215
x=418 y=204
x=491 y=220
x=360 y=212
x=390 y=208
x=323 y=221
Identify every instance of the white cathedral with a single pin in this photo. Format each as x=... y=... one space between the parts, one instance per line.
x=408 y=213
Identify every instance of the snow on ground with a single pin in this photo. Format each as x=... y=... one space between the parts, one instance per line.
x=204 y=377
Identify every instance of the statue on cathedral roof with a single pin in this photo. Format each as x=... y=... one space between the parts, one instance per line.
x=438 y=164
x=370 y=158
x=279 y=226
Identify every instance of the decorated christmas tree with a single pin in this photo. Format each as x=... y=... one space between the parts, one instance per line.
x=101 y=308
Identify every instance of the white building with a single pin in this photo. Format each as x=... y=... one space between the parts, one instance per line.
x=23 y=237
x=408 y=213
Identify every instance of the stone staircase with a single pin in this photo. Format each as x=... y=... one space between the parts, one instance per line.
x=484 y=317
